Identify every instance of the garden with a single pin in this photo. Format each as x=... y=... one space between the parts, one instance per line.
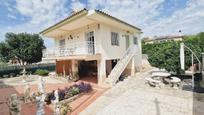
x=16 y=70
x=62 y=97
x=166 y=55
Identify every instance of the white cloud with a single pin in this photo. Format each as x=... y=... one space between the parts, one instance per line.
x=147 y=14
x=136 y=12
x=42 y=13
x=189 y=20
x=11 y=16
x=76 y=5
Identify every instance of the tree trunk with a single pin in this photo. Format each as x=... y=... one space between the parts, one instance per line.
x=19 y=61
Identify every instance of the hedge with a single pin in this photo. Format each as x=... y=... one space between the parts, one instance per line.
x=16 y=69
x=41 y=72
x=166 y=54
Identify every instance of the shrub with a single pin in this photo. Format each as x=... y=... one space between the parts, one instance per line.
x=49 y=97
x=84 y=87
x=12 y=74
x=61 y=94
x=65 y=109
x=166 y=54
x=68 y=92
x=41 y=72
x=73 y=91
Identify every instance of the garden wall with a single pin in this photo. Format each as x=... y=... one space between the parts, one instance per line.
x=14 y=70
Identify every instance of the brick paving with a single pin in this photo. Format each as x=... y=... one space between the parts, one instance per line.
x=78 y=105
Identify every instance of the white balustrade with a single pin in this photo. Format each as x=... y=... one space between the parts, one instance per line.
x=76 y=48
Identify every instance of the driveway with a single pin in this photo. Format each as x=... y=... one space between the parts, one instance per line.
x=134 y=97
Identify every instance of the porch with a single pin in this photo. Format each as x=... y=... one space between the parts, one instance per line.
x=75 y=69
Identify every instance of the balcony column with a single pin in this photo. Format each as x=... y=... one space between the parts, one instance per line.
x=101 y=66
x=74 y=67
x=132 y=73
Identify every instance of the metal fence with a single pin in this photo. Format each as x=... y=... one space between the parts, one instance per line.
x=13 y=70
x=202 y=61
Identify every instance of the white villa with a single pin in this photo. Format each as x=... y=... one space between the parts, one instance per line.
x=95 y=45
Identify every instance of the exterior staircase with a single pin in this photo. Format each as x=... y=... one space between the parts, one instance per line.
x=121 y=65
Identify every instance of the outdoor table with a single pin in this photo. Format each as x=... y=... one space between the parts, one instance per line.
x=175 y=81
x=161 y=75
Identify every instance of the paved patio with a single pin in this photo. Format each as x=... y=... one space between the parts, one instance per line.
x=134 y=97
x=32 y=79
x=15 y=85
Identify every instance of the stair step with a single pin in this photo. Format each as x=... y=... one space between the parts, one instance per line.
x=121 y=65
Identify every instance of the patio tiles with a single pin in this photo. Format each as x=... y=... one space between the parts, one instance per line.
x=134 y=97
x=30 y=108
x=81 y=103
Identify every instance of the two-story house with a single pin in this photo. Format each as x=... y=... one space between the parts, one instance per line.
x=94 y=44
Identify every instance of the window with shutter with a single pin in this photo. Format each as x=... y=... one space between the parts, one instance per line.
x=114 y=39
x=135 y=40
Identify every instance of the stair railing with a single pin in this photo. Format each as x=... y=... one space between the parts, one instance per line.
x=131 y=49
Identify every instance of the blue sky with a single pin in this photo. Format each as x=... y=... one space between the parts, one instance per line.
x=155 y=17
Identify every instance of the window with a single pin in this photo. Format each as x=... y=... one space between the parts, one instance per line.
x=114 y=39
x=135 y=40
x=62 y=43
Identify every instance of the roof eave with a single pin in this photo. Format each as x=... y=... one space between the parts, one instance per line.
x=66 y=20
x=78 y=15
x=105 y=14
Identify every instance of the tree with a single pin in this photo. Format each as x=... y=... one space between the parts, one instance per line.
x=4 y=52
x=25 y=47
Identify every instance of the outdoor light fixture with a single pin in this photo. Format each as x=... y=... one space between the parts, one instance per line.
x=71 y=37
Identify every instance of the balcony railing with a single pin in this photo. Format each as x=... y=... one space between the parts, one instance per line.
x=77 y=48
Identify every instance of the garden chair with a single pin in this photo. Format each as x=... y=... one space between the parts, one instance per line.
x=153 y=82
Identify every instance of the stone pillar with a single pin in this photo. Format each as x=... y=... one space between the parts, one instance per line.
x=101 y=66
x=64 y=72
x=74 y=66
x=132 y=73
x=74 y=69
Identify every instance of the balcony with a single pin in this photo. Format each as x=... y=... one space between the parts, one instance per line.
x=71 y=49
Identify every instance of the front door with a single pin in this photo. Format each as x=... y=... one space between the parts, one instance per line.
x=127 y=41
x=90 y=42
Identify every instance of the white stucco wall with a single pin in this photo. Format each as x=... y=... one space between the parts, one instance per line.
x=102 y=34
x=78 y=37
x=109 y=51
